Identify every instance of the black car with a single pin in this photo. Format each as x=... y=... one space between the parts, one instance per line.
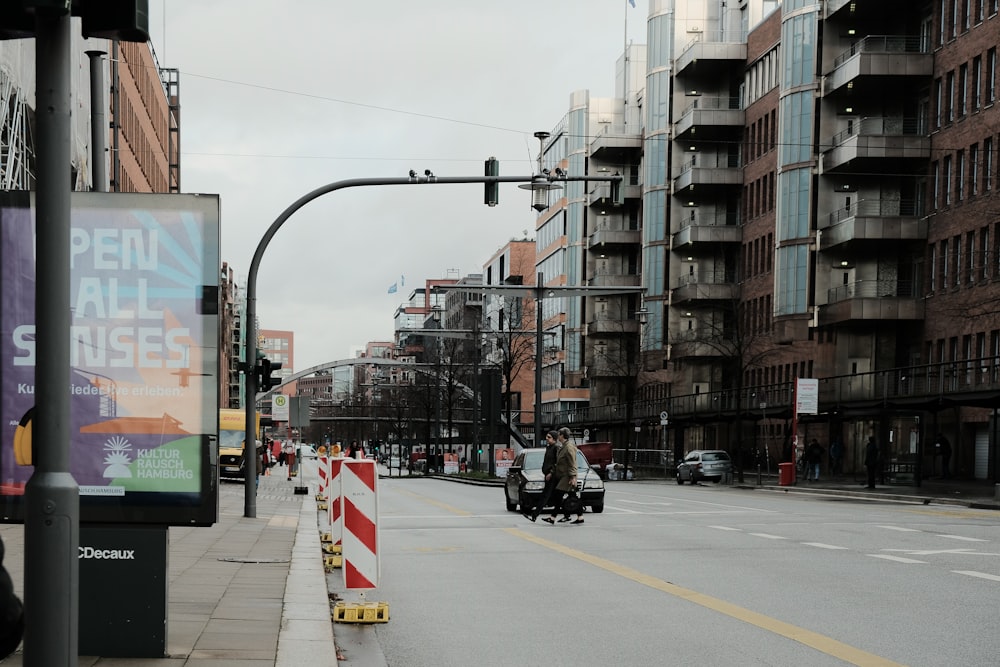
x=525 y=482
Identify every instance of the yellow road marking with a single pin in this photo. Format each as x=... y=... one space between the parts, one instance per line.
x=963 y=514
x=435 y=503
x=822 y=643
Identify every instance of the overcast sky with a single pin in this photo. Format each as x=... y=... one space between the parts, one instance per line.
x=279 y=98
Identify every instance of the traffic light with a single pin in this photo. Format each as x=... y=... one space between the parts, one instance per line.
x=265 y=380
x=126 y=20
x=492 y=190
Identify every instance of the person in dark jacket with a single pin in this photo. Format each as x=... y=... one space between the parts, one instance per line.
x=565 y=473
x=11 y=612
x=873 y=460
x=548 y=470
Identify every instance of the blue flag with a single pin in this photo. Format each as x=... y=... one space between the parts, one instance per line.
x=392 y=289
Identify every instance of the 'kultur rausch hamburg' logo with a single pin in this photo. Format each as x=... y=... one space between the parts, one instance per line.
x=117 y=449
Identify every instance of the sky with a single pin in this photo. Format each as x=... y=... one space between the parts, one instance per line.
x=285 y=97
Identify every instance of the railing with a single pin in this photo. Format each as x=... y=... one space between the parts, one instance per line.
x=879 y=126
x=719 y=37
x=882 y=44
x=926 y=386
x=879 y=208
x=706 y=161
x=706 y=278
x=869 y=289
x=713 y=104
x=725 y=219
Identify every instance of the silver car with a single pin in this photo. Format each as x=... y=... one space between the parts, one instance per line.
x=713 y=464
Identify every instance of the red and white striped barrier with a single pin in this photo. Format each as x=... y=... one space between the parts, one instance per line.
x=324 y=473
x=334 y=521
x=359 y=504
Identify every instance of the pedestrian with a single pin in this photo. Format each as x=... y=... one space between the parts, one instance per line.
x=943 y=449
x=281 y=457
x=355 y=451
x=565 y=472
x=836 y=457
x=11 y=612
x=873 y=459
x=548 y=471
x=289 y=450
x=261 y=452
x=813 y=456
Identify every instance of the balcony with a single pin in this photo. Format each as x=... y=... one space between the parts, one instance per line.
x=708 y=229
x=876 y=144
x=708 y=172
x=709 y=118
x=606 y=236
x=878 y=56
x=609 y=325
x=874 y=220
x=711 y=51
x=614 y=145
x=689 y=349
x=609 y=279
x=872 y=300
x=704 y=287
x=600 y=193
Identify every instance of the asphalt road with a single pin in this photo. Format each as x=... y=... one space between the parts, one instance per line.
x=684 y=575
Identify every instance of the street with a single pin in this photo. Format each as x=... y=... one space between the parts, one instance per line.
x=684 y=575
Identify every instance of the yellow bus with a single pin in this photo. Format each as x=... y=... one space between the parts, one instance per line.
x=232 y=432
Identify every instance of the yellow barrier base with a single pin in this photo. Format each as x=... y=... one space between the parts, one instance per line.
x=321 y=506
x=333 y=549
x=361 y=612
x=320 y=496
x=325 y=537
x=333 y=562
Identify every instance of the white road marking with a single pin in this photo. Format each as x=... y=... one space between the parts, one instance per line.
x=739 y=530
x=897 y=559
x=638 y=502
x=769 y=536
x=980 y=575
x=961 y=537
x=820 y=545
x=935 y=552
x=900 y=529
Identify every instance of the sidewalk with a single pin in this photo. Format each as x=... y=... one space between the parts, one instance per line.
x=243 y=592
x=968 y=493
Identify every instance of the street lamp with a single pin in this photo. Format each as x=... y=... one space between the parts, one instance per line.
x=436 y=312
x=632 y=368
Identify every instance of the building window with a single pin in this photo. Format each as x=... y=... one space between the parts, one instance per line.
x=938 y=102
x=960 y=177
x=949 y=102
x=944 y=264
x=973 y=170
x=934 y=267
x=991 y=70
x=987 y=164
x=963 y=90
x=977 y=82
x=984 y=253
x=935 y=185
x=946 y=181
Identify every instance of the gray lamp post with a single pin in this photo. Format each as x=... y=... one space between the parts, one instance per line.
x=436 y=312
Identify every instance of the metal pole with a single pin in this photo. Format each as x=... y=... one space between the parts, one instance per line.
x=250 y=351
x=98 y=122
x=539 y=284
x=52 y=501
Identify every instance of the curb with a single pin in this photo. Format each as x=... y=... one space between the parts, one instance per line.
x=861 y=495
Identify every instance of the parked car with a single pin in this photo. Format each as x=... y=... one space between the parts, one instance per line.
x=713 y=464
x=525 y=482
x=308 y=452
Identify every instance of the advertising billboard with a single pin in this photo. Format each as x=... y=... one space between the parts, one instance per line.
x=144 y=334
